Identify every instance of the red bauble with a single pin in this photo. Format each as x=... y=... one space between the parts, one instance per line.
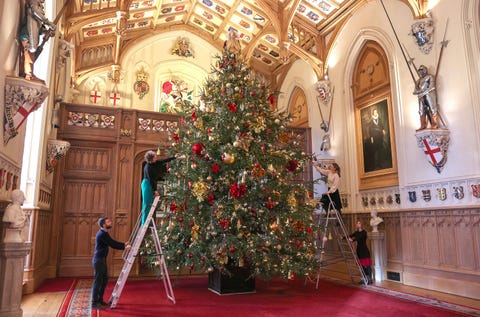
x=252 y=93
x=270 y=203
x=173 y=206
x=211 y=199
x=232 y=107
x=224 y=224
x=198 y=148
x=272 y=101
x=292 y=166
x=215 y=168
x=175 y=137
x=238 y=190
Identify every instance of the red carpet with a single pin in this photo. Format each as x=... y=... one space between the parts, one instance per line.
x=277 y=298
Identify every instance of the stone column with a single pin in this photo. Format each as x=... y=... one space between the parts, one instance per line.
x=379 y=250
x=12 y=260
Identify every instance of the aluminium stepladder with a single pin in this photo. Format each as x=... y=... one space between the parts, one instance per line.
x=332 y=224
x=137 y=236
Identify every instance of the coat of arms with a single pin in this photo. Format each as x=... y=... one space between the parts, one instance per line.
x=426 y=195
x=141 y=87
x=422 y=32
x=475 y=190
x=95 y=96
x=182 y=48
x=412 y=196
x=365 y=202
x=458 y=192
x=324 y=91
x=389 y=199
x=442 y=193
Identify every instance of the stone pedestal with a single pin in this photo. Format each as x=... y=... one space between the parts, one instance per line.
x=12 y=261
x=379 y=252
x=13 y=235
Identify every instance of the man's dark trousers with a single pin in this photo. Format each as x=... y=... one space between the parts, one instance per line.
x=100 y=279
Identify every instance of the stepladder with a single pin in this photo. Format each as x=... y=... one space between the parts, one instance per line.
x=333 y=228
x=136 y=239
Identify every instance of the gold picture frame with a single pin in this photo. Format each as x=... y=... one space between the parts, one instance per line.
x=375 y=136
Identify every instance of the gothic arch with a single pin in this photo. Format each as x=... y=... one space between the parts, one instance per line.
x=298 y=108
x=471 y=21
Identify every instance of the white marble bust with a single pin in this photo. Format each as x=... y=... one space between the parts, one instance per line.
x=15 y=216
x=375 y=221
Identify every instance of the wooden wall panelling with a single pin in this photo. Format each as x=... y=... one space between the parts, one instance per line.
x=417 y=255
x=430 y=234
x=87 y=195
x=407 y=221
x=475 y=221
x=464 y=239
x=448 y=256
x=393 y=238
x=36 y=266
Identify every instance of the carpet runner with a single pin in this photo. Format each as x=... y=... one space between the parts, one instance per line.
x=275 y=298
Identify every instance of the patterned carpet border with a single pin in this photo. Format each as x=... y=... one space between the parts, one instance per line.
x=78 y=303
x=67 y=299
x=410 y=297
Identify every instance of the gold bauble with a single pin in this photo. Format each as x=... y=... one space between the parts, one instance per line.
x=228 y=158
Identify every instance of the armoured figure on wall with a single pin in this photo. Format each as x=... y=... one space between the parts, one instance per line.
x=33 y=25
x=425 y=90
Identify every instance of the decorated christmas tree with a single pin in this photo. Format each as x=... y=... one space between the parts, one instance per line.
x=234 y=199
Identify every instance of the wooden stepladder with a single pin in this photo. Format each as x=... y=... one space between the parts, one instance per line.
x=137 y=236
x=333 y=225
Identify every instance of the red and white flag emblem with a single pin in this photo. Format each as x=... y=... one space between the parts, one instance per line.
x=95 y=96
x=433 y=152
x=115 y=99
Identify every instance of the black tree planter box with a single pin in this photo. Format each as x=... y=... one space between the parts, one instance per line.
x=238 y=281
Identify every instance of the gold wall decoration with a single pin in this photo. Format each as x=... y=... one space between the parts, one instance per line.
x=182 y=48
x=141 y=86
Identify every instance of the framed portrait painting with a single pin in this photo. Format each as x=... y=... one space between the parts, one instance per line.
x=376 y=144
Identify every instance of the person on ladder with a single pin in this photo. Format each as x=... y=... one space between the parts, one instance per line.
x=333 y=181
x=363 y=253
x=153 y=171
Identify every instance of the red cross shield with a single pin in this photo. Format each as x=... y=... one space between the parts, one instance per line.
x=95 y=96
x=434 y=144
x=115 y=99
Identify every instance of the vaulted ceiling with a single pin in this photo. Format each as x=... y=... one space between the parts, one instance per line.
x=272 y=33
